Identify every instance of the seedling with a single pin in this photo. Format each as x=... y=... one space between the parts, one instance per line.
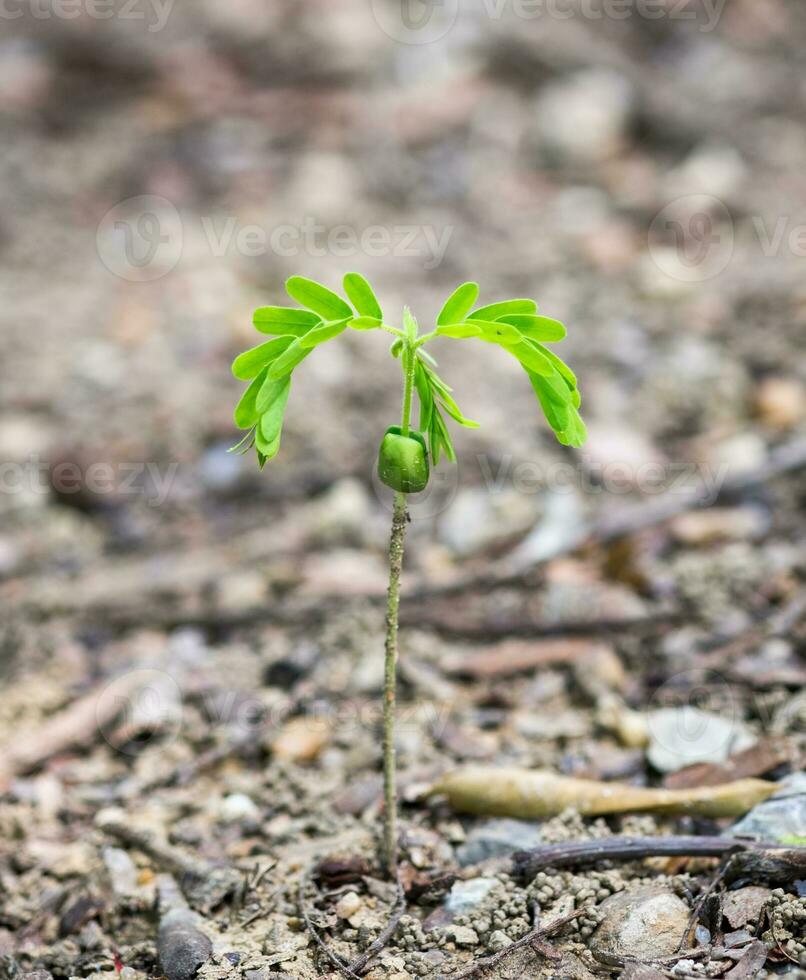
x=406 y=453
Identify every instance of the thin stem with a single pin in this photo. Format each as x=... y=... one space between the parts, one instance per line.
x=399 y=519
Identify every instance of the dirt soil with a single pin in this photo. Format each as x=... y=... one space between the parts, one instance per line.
x=191 y=650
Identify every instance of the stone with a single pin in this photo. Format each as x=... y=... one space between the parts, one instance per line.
x=182 y=946
x=466 y=895
x=781 y=816
x=647 y=924
x=743 y=905
x=477 y=519
x=680 y=737
x=497 y=838
x=583 y=118
x=464 y=935
x=780 y=402
x=498 y=940
x=348 y=905
x=122 y=871
x=237 y=807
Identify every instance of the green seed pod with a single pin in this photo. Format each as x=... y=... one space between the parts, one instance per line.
x=403 y=461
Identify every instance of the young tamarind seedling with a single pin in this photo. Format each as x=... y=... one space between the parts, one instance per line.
x=406 y=453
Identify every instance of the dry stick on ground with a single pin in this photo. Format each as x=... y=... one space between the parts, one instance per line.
x=541 y=932
x=526 y=864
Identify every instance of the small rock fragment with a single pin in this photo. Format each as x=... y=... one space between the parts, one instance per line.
x=466 y=895
x=781 y=402
x=348 y=905
x=464 y=935
x=497 y=838
x=182 y=946
x=684 y=736
x=122 y=871
x=647 y=923
x=744 y=905
x=498 y=940
x=237 y=807
x=781 y=816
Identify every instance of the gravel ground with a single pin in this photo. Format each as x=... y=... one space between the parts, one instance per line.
x=191 y=650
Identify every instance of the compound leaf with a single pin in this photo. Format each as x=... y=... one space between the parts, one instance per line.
x=459 y=330
x=326 y=331
x=246 y=411
x=506 y=307
x=361 y=295
x=320 y=299
x=498 y=332
x=288 y=360
x=536 y=327
x=271 y=421
x=459 y=304
x=531 y=358
x=249 y=364
x=284 y=320
x=365 y=323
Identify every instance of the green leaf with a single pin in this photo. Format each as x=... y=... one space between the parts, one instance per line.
x=459 y=330
x=271 y=390
x=271 y=421
x=561 y=414
x=246 y=411
x=424 y=393
x=284 y=320
x=508 y=306
x=360 y=294
x=459 y=304
x=320 y=299
x=443 y=394
x=562 y=368
x=252 y=362
x=288 y=360
x=322 y=333
x=397 y=347
x=265 y=449
x=439 y=439
x=498 y=332
x=531 y=358
x=365 y=323
x=536 y=327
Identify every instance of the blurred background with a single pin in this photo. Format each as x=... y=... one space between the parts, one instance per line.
x=637 y=167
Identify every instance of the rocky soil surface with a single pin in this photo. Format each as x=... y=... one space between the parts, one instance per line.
x=191 y=651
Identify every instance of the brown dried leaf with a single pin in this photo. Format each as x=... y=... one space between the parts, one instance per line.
x=535 y=794
x=758 y=760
